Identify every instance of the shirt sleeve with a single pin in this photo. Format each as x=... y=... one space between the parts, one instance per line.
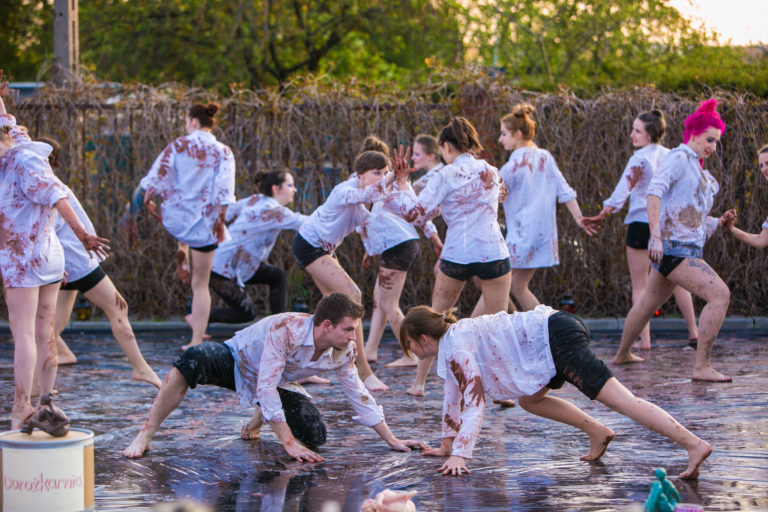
x=271 y=366
x=451 y=408
x=153 y=183
x=429 y=229
x=419 y=210
x=711 y=224
x=292 y=219
x=235 y=210
x=361 y=400
x=16 y=133
x=224 y=181
x=39 y=184
x=668 y=173
x=564 y=191
x=470 y=384
x=632 y=174
x=370 y=194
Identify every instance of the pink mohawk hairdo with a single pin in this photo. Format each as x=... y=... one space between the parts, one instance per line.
x=705 y=117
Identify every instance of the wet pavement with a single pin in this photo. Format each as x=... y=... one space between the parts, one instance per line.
x=521 y=462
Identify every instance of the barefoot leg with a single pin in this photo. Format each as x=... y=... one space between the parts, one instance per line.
x=563 y=411
x=201 y=295
x=639 y=266
x=64 y=304
x=168 y=398
x=621 y=400
x=520 y=279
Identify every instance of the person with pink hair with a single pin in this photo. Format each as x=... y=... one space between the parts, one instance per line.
x=680 y=196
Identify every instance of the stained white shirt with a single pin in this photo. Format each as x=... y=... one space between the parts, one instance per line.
x=30 y=253
x=194 y=175
x=419 y=184
x=466 y=194
x=341 y=213
x=385 y=227
x=16 y=133
x=78 y=262
x=535 y=186
x=504 y=355
x=258 y=220
x=687 y=193
x=765 y=224
x=641 y=167
x=276 y=351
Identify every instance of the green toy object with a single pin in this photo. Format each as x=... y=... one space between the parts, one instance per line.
x=663 y=497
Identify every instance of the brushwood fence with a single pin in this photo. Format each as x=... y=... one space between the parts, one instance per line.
x=110 y=136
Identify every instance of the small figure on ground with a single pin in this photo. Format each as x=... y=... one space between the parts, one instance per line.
x=48 y=418
x=522 y=356
x=663 y=496
x=262 y=362
x=391 y=501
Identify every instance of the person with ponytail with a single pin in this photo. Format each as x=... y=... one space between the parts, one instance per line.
x=385 y=232
x=647 y=131
x=85 y=275
x=522 y=356
x=31 y=257
x=326 y=228
x=535 y=186
x=254 y=222
x=758 y=240
x=195 y=178
x=466 y=193
x=426 y=157
x=680 y=196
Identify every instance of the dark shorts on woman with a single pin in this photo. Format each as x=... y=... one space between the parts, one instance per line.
x=484 y=271
x=206 y=248
x=401 y=256
x=212 y=363
x=304 y=252
x=86 y=283
x=638 y=234
x=673 y=254
x=574 y=361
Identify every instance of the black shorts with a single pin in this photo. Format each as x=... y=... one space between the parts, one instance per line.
x=304 y=252
x=208 y=363
x=638 y=234
x=206 y=248
x=401 y=256
x=484 y=271
x=86 y=283
x=574 y=361
x=669 y=263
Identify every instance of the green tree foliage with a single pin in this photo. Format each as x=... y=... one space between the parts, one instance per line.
x=26 y=37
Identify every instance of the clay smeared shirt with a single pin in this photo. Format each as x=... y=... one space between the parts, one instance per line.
x=641 y=167
x=258 y=220
x=687 y=193
x=194 y=175
x=506 y=356
x=276 y=351
x=78 y=262
x=535 y=186
x=466 y=194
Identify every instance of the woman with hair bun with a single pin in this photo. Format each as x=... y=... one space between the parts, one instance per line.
x=195 y=178
x=426 y=156
x=680 y=196
x=647 y=131
x=466 y=193
x=535 y=186
x=254 y=223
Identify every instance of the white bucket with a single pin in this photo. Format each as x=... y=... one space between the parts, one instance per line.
x=42 y=472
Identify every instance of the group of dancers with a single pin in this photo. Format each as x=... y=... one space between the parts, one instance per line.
x=501 y=352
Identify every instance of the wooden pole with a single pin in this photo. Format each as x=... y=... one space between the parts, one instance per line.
x=66 y=43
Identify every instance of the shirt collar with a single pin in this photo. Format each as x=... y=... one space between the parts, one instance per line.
x=309 y=339
x=464 y=157
x=687 y=149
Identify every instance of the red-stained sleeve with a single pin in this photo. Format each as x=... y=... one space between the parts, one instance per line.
x=465 y=370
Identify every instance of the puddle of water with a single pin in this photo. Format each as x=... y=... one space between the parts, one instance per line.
x=521 y=462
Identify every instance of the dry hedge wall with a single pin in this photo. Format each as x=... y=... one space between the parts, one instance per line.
x=111 y=134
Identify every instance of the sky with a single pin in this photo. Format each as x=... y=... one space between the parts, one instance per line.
x=744 y=22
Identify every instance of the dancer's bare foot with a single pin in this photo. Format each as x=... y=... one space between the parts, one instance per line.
x=252 y=430
x=138 y=447
x=147 y=375
x=403 y=362
x=505 y=403
x=415 y=390
x=709 y=374
x=315 y=379
x=371 y=354
x=372 y=383
x=696 y=456
x=188 y=320
x=642 y=345
x=629 y=358
x=65 y=356
x=19 y=417
x=598 y=442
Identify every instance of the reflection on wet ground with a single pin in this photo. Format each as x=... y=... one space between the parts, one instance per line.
x=521 y=462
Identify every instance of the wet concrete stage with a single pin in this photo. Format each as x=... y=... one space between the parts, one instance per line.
x=521 y=462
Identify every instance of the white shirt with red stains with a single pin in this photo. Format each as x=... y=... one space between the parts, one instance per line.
x=341 y=213
x=78 y=262
x=687 y=193
x=765 y=224
x=194 y=175
x=30 y=253
x=504 y=355
x=466 y=194
x=277 y=351
x=386 y=228
x=258 y=220
x=535 y=186
x=419 y=184
x=16 y=133
x=641 y=167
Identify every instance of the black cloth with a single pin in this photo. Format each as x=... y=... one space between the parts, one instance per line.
x=484 y=271
x=304 y=252
x=401 y=256
x=86 y=283
x=638 y=234
x=241 y=307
